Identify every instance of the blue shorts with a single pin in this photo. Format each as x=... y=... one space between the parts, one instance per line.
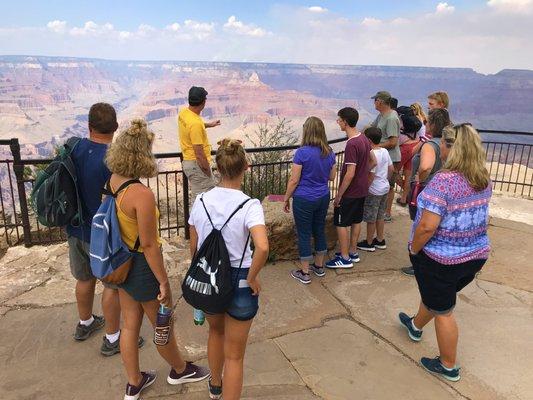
x=244 y=305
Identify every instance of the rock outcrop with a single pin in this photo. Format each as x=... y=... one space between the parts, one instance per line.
x=282 y=231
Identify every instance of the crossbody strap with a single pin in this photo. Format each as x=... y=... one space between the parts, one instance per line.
x=242 y=259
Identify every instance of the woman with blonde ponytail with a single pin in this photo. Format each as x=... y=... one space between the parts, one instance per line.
x=227 y=208
x=449 y=243
x=130 y=158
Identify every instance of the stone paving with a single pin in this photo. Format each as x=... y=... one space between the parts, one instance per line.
x=337 y=338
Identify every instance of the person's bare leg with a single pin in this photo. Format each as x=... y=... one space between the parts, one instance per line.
x=370 y=232
x=170 y=351
x=129 y=337
x=344 y=241
x=380 y=230
x=405 y=186
x=215 y=347
x=390 y=199
x=319 y=259
x=85 y=298
x=447 y=338
x=422 y=317
x=111 y=310
x=236 y=336
x=305 y=266
x=354 y=237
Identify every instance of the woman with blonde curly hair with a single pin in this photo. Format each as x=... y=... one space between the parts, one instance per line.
x=449 y=242
x=129 y=158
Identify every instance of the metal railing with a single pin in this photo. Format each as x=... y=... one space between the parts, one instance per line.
x=510 y=166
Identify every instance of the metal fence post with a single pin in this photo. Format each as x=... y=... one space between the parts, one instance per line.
x=185 y=193
x=18 y=168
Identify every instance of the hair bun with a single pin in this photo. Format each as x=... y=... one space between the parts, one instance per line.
x=229 y=146
x=137 y=126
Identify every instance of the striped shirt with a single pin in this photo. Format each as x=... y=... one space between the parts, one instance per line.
x=462 y=232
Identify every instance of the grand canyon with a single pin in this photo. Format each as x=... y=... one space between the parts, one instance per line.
x=43 y=100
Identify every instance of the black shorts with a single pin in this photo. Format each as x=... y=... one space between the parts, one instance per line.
x=349 y=212
x=438 y=283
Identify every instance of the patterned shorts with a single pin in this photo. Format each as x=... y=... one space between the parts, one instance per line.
x=375 y=208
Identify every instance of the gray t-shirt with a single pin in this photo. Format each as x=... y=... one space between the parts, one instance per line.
x=390 y=127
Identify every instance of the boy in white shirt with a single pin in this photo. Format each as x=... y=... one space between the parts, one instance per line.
x=376 y=201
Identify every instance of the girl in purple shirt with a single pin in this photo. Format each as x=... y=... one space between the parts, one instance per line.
x=313 y=166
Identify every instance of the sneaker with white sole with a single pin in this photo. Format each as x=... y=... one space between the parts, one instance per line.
x=301 y=276
x=364 y=245
x=407 y=322
x=134 y=392
x=317 y=270
x=382 y=245
x=192 y=373
x=339 y=263
x=354 y=257
x=215 y=392
x=435 y=366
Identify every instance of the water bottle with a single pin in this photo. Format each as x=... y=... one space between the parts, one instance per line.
x=199 y=317
x=163 y=325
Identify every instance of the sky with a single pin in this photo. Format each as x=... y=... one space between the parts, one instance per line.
x=487 y=35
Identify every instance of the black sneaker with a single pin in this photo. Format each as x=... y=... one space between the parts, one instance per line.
x=363 y=245
x=192 y=373
x=215 y=392
x=409 y=271
x=134 y=392
x=435 y=366
x=83 y=332
x=318 y=271
x=407 y=321
x=379 y=245
x=109 y=349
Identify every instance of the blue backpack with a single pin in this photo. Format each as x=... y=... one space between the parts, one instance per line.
x=111 y=259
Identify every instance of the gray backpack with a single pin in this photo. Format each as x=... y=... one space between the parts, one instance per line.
x=55 y=197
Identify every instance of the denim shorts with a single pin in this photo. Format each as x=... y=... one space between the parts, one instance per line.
x=244 y=305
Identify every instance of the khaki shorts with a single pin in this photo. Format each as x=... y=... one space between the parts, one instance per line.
x=80 y=263
x=199 y=182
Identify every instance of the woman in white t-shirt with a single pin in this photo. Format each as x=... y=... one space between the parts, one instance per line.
x=228 y=333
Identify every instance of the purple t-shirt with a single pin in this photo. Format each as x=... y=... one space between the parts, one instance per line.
x=357 y=153
x=315 y=172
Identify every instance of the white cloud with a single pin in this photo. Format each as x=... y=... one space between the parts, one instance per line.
x=57 y=26
x=91 y=28
x=317 y=9
x=174 y=27
x=370 y=22
x=512 y=6
x=444 y=8
x=240 y=28
x=145 y=30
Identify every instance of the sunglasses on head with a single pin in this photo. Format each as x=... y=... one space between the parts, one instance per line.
x=459 y=126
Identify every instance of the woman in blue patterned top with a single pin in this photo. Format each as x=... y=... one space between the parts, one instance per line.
x=313 y=166
x=449 y=242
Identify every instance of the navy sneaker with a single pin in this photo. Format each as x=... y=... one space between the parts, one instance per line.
x=192 y=373
x=318 y=271
x=434 y=366
x=354 y=257
x=339 y=262
x=409 y=271
x=215 y=392
x=364 y=245
x=379 y=245
x=407 y=321
x=109 y=349
x=134 y=392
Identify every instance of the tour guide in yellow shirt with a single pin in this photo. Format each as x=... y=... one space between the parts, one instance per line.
x=194 y=143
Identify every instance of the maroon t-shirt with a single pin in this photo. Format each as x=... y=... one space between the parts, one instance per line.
x=357 y=152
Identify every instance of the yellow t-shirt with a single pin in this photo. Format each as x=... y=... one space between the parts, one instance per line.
x=191 y=130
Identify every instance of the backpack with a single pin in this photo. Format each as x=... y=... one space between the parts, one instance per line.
x=55 y=196
x=410 y=122
x=207 y=286
x=110 y=258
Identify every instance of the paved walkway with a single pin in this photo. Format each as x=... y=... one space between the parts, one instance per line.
x=337 y=338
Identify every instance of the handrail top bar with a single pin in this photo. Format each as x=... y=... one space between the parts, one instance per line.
x=179 y=155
